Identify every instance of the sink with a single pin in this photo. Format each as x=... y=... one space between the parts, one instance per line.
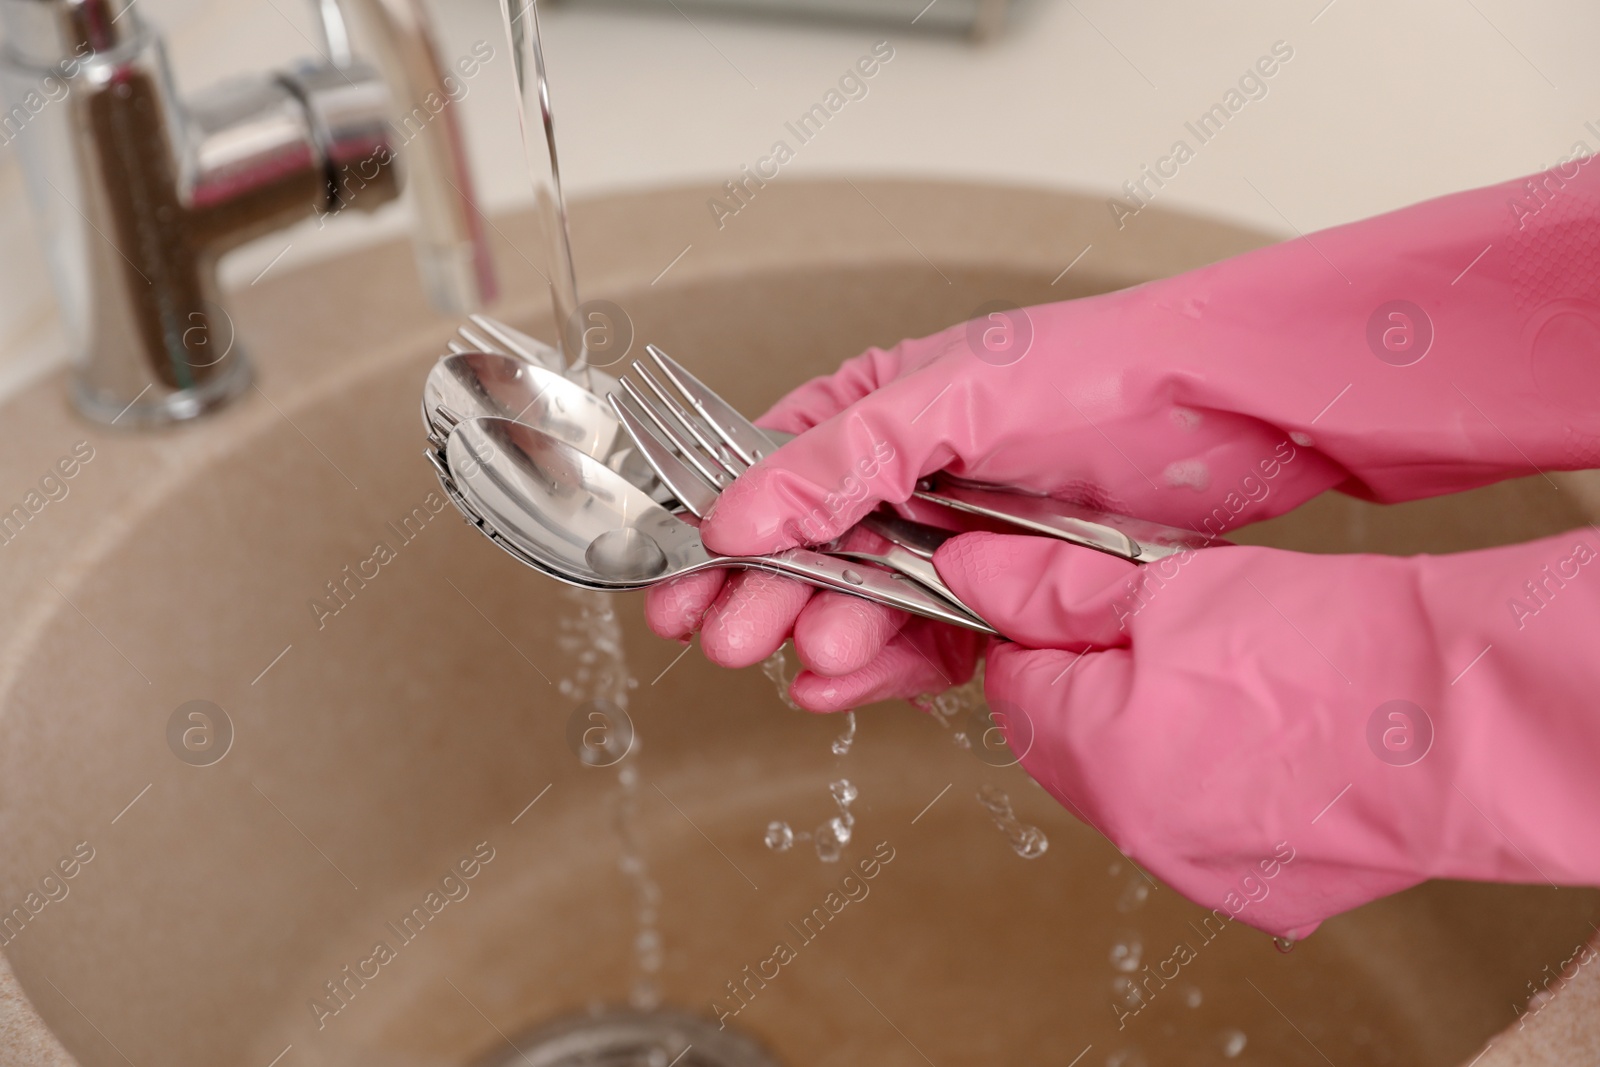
x=269 y=701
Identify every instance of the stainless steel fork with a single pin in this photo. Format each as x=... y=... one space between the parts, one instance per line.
x=691 y=461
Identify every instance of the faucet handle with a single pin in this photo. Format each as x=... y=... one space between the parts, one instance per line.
x=453 y=253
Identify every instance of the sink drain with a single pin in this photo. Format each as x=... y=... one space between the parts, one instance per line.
x=632 y=1039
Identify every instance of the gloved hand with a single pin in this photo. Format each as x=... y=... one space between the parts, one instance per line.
x=854 y=652
x=1227 y=717
x=1437 y=348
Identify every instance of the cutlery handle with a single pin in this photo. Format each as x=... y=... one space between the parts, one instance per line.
x=1131 y=539
x=868 y=582
x=1135 y=540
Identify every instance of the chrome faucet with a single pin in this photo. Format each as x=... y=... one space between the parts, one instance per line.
x=138 y=193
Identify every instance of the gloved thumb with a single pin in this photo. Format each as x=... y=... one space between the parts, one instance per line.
x=1041 y=592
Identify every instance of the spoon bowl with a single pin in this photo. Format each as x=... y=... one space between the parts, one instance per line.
x=561 y=511
x=564 y=511
x=473 y=384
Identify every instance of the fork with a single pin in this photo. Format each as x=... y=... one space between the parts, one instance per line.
x=682 y=449
x=484 y=334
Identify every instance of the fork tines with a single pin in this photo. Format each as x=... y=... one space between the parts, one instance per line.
x=695 y=437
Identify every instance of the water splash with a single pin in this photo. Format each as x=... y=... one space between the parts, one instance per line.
x=1029 y=842
x=592 y=637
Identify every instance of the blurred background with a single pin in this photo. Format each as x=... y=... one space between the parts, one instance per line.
x=1381 y=105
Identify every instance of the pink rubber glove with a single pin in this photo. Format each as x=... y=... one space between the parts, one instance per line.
x=1235 y=706
x=854 y=652
x=1210 y=400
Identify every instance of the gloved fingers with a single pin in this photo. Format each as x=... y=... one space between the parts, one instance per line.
x=675 y=609
x=751 y=617
x=924 y=657
x=1044 y=593
x=823 y=482
x=822 y=398
x=838 y=634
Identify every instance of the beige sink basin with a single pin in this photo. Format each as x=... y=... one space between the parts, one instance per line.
x=376 y=748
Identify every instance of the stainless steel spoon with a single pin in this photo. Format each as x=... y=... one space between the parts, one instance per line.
x=558 y=509
x=471 y=384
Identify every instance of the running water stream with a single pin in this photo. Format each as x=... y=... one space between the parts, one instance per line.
x=592 y=636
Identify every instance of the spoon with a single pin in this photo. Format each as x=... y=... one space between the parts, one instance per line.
x=470 y=384
x=562 y=511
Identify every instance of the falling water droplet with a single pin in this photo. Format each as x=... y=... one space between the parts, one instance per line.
x=844 y=792
x=1283 y=944
x=1193 y=997
x=645 y=995
x=1134 y=894
x=842 y=743
x=829 y=843
x=776 y=668
x=780 y=836
x=1029 y=842
x=648 y=946
x=1127 y=953
x=1233 y=1042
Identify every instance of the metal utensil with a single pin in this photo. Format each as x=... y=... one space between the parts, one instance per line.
x=557 y=509
x=469 y=384
x=472 y=383
x=483 y=333
x=909 y=546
